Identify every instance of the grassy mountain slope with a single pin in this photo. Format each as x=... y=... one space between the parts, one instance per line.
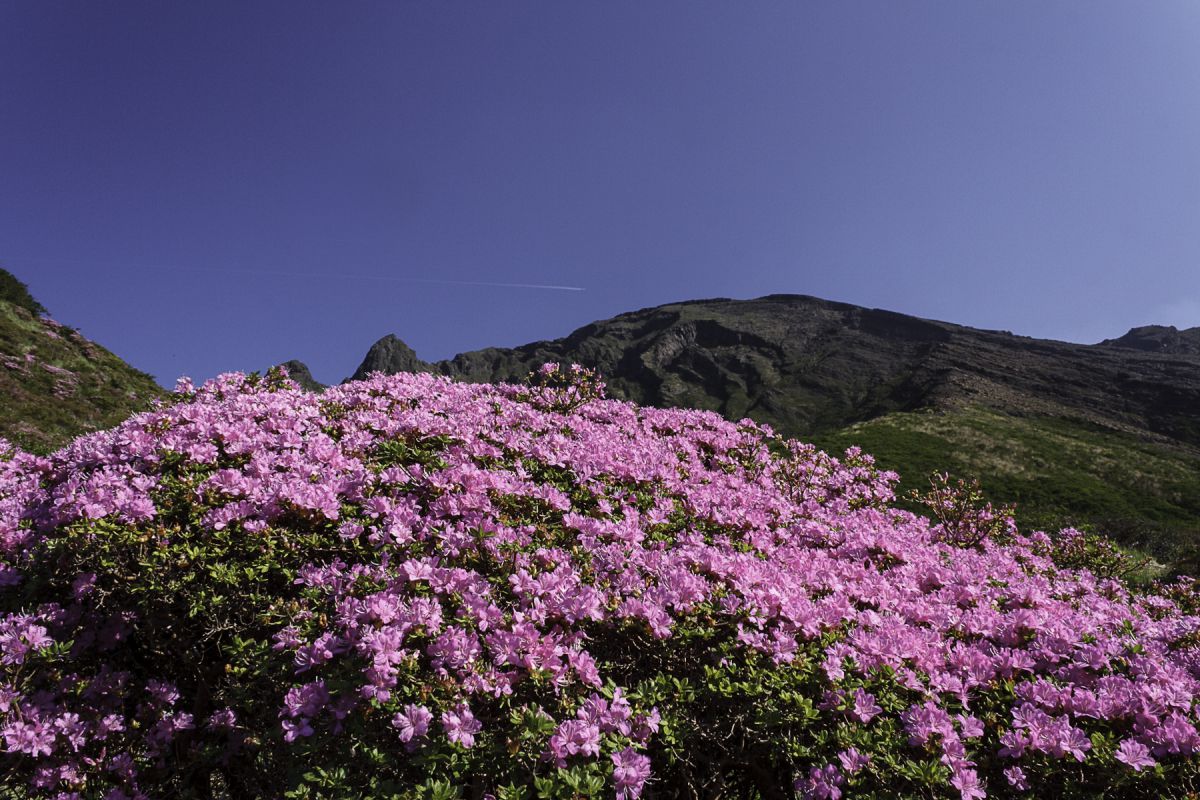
x=55 y=384
x=1057 y=471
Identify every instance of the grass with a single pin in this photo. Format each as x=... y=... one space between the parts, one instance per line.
x=1057 y=472
x=56 y=384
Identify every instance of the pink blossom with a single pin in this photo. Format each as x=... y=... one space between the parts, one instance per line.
x=865 y=708
x=574 y=737
x=412 y=723
x=631 y=770
x=852 y=760
x=1135 y=754
x=32 y=737
x=1016 y=778
x=461 y=726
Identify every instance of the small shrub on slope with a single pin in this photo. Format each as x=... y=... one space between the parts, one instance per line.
x=12 y=290
x=411 y=588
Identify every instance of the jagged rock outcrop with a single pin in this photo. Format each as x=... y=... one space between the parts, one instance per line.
x=301 y=374
x=389 y=355
x=1159 y=339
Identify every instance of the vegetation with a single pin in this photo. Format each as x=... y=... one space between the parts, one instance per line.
x=14 y=291
x=416 y=589
x=1056 y=472
x=56 y=384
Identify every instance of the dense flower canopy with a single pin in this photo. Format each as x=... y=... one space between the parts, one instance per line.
x=494 y=588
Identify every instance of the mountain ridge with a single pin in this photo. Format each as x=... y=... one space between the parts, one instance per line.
x=1159 y=339
x=840 y=363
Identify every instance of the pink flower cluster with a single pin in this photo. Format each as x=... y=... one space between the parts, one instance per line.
x=540 y=527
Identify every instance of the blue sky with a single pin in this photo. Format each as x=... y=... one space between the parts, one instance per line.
x=212 y=186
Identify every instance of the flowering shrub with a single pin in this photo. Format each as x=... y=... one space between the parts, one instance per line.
x=555 y=388
x=406 y=587
x=964 y=516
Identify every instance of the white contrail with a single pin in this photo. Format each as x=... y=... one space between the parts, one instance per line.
x=406 y=279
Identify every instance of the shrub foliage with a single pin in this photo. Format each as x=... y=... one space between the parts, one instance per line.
x=410 y=588
x=12 y=290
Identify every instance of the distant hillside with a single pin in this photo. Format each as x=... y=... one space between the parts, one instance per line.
x=1105 y=435
x=1159 y=339
x=54 y=383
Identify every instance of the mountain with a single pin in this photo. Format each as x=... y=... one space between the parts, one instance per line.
x=1104 y=435
x=1159 y=339
x=808 y=366
x=55 y=384
x=300 y=373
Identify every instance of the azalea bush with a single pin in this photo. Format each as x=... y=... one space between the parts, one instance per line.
x=410 y=588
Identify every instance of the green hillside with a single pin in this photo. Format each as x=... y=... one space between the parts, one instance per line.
x=54 y=383
x=1143 y=493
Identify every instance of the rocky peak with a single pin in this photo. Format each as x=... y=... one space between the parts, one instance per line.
x=300 y=373
x=1159 y=339
x=390 y=355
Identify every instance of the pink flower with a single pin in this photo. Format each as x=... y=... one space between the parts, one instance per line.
x=412 y=723
x=972 y=727
x=30 y=737
x=222 y=719
x=1016 y=778
x=1135 y=754
x=852 y=760
x=306 y=700
x=494 y=538
x=631 y=770
x=163 y=691
x=574 y=737
x=865 y=708
x=822 y=783
x=646 y=725
x=294 y=729
x=968 y=785
x=461 y=726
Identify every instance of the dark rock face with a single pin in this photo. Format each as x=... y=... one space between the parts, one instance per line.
x=389 y=355
x=299 y=372
x=1159 y=339
x=805 y=365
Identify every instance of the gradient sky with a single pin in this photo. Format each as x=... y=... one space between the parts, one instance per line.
x=205 y=186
